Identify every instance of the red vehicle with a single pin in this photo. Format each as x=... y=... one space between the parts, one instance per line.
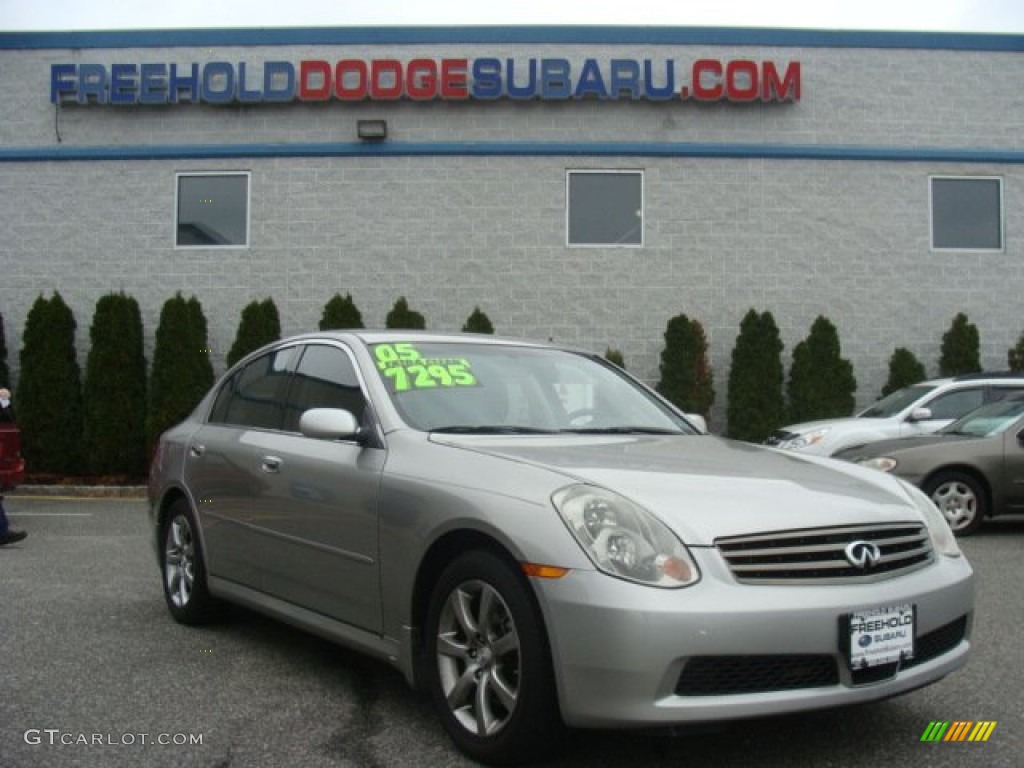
x=12 y=465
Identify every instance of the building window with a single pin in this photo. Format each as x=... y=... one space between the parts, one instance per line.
x=212 y=210
x=605 y=208
x=967 y=213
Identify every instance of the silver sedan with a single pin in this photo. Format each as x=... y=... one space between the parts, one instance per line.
x=540 y=540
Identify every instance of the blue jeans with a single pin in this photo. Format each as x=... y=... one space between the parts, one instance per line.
x=3 y=518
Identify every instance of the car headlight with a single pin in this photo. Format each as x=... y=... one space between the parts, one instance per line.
x=943 y=540
x=881 y=463
x=805 y=440
x=623 y=539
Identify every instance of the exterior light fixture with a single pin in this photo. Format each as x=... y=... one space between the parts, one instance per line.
x=372 y=130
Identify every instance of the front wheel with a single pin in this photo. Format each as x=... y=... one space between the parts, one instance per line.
x=488 y=663
x=182 y=567
x=960 y=498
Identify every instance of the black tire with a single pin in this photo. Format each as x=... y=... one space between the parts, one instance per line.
x=488 y=664
x=182 y=568
x=961 y=499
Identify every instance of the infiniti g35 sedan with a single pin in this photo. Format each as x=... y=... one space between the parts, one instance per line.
x=540 y=540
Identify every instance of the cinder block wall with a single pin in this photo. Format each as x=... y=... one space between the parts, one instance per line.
x=847 y=238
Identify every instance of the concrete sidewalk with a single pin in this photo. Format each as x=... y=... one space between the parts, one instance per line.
x=79 y=491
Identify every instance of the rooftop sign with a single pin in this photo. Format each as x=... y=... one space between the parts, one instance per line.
x=426 y=79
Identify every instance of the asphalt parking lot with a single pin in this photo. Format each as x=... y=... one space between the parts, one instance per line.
x=95 y=673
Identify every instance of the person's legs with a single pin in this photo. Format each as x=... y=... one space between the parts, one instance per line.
x=7 y=536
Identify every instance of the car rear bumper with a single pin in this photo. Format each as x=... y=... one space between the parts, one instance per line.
x=629 y=655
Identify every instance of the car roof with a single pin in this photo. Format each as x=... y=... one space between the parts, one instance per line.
x=993 y=375
x=370 y=336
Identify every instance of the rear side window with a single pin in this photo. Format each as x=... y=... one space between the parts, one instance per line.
x=254 y=396
x=1001 y=393
x=325 y=378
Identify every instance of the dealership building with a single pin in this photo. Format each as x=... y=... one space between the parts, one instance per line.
x=580 y=184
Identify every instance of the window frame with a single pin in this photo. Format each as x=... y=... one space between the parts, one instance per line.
x=178 y=175
x=570 y=172
x=931 y=213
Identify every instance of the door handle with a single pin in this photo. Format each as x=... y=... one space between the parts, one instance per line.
x=271 y=464
x=196 y=450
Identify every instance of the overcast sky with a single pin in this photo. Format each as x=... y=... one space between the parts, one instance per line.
x=1000 y=16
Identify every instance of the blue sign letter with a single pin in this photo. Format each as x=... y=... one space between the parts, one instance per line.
x=274 y=72
x=62 y=80
x=554 y=76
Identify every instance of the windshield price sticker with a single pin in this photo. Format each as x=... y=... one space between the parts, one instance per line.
x=881 y=636
x=404 y=368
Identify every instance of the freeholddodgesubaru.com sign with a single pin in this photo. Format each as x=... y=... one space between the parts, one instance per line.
x=426 y=79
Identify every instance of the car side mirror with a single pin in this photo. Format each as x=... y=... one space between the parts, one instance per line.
x=329 y=424
x=920 y=414
x=697 y=421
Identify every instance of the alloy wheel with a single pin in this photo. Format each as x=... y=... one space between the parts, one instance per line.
x=478 y=658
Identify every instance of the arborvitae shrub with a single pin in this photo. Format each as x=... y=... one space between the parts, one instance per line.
x=1015 y=355
x=401 y=316
x=478 y=322
x=904 y=369
x=260 y=324
x=115 y=390
x=5 y=372
x=48 y=402
x=756 y=377
x=615 y=356
x=821 y=382
x=686 y=378
x=961 y=348
x=182 y=372
x=340 y=313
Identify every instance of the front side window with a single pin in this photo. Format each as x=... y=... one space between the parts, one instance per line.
x=212 y=210
x=254 y=395
x=953 y=405
x=325 y=378
x=967 y=213
x=605 y=208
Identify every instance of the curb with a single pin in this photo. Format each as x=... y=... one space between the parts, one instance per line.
x=80 y=491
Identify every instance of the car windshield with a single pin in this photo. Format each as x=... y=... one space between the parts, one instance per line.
x=892 y=404
x=508 y=389
x=988 y=420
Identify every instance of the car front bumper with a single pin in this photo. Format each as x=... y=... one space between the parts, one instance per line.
x=628 y=655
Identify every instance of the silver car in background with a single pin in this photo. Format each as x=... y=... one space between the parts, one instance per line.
x=539 y=540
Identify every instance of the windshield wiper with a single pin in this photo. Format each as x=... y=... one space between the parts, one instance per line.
x=492 y=429
x=623 y=431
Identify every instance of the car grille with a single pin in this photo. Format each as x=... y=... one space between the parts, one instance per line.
x=732 y=675
x=817 y=555
x=725 y=675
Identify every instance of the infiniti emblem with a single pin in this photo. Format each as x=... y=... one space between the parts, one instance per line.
x=862 y=554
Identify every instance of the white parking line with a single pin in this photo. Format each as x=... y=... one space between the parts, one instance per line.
x=49 y=514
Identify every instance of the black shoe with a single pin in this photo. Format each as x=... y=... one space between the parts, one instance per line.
x=12 y=536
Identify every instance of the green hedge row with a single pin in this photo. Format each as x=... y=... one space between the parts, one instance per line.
x=107 y=422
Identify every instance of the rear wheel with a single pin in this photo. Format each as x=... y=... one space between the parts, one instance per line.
x=182 y=567
x=488 y=663
x=960 y=498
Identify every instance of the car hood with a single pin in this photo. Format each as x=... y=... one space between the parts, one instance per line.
x=851 y=422
x=885 y=447
x=707 y=487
